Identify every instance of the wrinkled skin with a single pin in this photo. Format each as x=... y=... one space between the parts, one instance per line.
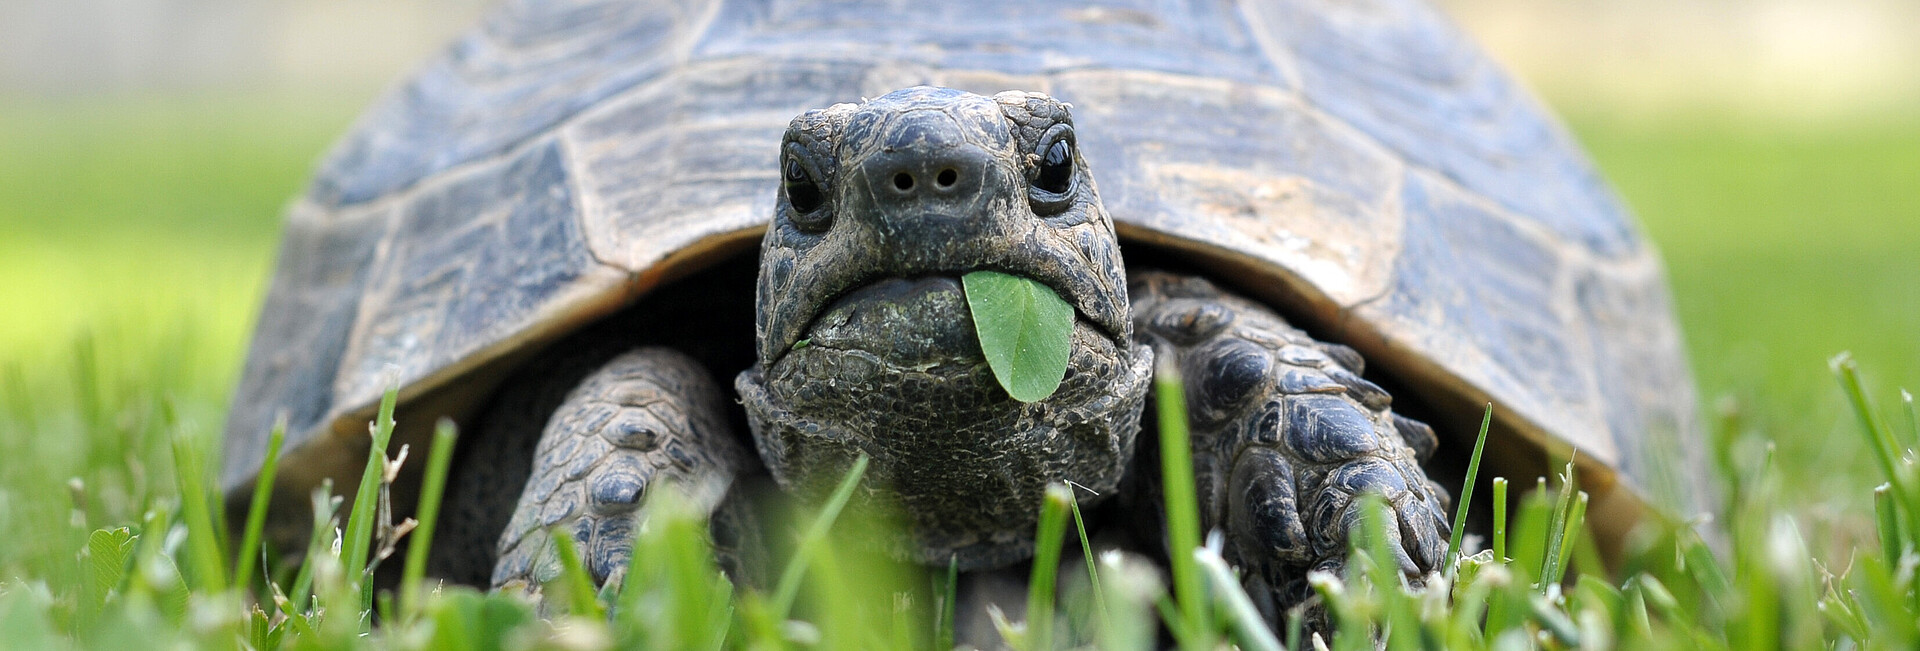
x=914 y=189
x=865 y=346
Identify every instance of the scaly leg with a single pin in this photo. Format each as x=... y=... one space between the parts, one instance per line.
x=1286 y=435
x=649 y=414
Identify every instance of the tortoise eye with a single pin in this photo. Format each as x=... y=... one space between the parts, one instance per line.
x=1053 y=173
x=1056 y=168
x=804 y=195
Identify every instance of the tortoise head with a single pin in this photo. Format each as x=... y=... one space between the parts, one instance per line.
x=865 y=341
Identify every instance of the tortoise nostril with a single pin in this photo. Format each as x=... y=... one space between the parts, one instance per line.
x=947 y=177
x=903 y=181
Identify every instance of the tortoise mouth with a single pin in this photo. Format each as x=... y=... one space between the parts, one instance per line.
x=799 y=294
x=919 y=323
x=893 y=371
x=914 y=323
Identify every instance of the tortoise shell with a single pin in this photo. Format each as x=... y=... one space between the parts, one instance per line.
x=1361 y=166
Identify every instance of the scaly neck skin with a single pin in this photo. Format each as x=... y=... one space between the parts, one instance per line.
x=885 y=205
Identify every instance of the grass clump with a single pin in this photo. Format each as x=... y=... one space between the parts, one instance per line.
x=142 y=564
x=1540 y=585
x=1533 y=590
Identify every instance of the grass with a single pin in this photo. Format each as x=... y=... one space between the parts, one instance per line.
x=1676 y=593
x=1786 y=243
x=135 y=235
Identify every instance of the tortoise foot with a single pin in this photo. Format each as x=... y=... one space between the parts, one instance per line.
x=647 y=415
x=1287 y=436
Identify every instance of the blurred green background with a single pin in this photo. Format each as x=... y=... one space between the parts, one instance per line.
x=1771 y=149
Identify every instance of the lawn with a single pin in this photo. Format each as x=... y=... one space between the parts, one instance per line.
x=136 y=235
x=1785 y=243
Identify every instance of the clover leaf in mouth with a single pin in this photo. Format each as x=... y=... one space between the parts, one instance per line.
x=1025 y=331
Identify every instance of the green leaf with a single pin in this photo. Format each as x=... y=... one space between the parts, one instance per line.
x=1024 y=330
x=106 y=556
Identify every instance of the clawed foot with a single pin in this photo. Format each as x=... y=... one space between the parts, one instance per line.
x=647 y=414
x=1287 y=436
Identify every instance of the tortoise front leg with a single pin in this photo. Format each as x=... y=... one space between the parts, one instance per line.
x=1286 y=435
x=649 y=414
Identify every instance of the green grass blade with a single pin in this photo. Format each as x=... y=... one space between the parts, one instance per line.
x=383 y=605
x=1584 y=555
x=1555 y=622
x=950 y=592
x=360 y=520
x=257 y=509
x=789 y=586
x=1466 y=492
x=1636 y=609
x=1529 y=535
x=1048 y=536
x=325 y=509
x=1888 y=521
x=1913 y=420
x=1843 y=611
x=1879 y=437
x=1662 y=598
x=1182 y=507
x=432 y=488
x=1500 y=519
x=203 y=539
x=1705 y=568
x=574 y=581
x=1885 y=598
x=1569 y=536
x=1093 y=572
x=673 y=594
x=1378 y=596
x=1557 y=531
x=903 y=627
x=720 y=614
x=1249 y=628
x=1175 y=621
x=1134 y=588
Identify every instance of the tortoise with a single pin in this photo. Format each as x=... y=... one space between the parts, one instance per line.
x=1308 y=208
